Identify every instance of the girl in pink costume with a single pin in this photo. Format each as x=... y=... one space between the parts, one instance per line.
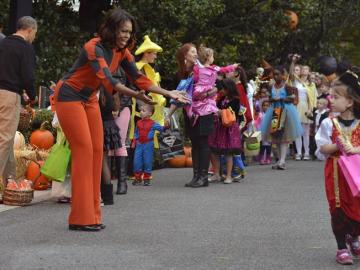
x=205 y=75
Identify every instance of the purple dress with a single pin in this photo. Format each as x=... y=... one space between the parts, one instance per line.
x=226 y=140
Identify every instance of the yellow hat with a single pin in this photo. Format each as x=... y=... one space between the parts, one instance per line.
x=148 y=45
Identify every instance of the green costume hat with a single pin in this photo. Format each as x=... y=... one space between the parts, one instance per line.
x=148 y=45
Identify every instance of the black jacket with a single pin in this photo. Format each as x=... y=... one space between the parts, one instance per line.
x=17 y=64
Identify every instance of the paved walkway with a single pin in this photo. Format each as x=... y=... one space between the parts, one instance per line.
x=273 y=220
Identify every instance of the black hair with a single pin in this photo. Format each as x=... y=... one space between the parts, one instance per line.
x=351 y=80
x=230 y=86
x=113 y=21
x=280 y=68
x=243 y=77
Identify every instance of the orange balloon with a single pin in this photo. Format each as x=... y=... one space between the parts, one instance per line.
x=331 y=77
x=293 y=19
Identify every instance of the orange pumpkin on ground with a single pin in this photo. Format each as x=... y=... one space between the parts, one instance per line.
x=42 y=138
x=187 y=151
x=177 y=161
x=188 y=162
x=33 y=173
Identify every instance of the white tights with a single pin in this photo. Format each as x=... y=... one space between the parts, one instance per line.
x=282 y=148
x=304 y=139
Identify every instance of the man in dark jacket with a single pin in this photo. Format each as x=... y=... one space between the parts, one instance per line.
x=17 y=62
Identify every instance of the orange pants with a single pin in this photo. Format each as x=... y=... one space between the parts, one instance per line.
x=82 y=126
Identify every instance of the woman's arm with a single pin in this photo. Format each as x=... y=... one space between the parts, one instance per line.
x=171 y=111
x=175 y=94
x=119 y=87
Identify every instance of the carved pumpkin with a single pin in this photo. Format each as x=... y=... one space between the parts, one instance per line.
x=177 y=161
x=293 y=19
x=187 y=151
x=188 y=162
x=42 y=138
x=33 y=173
x=19 y=141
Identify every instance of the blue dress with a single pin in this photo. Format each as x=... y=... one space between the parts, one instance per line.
x=292 y=125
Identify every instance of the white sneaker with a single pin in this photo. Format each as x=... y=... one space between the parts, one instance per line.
x=306 y=157
x=228 y=181
x=297 y=157
x=214 y=178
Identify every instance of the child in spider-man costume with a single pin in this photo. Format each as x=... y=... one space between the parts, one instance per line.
x=144 y=138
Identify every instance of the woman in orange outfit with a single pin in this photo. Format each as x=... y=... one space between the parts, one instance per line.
x=79 y=115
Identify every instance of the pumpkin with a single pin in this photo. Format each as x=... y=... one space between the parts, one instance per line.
x=33 y=173
x=19 y=141
x=293 y=19
x=42 y=183
x=42 y=138
x=331 y=77
x=187 y=151
x=177 y=161
x=188 y=162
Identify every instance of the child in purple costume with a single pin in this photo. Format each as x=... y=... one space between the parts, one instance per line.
x=226 y=140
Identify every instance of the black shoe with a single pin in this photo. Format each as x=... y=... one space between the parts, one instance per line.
x=101 y=226
x=86 y=228
x=193 y=180
x=201 y=181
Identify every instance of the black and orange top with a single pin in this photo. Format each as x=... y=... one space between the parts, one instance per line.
x=95 y=67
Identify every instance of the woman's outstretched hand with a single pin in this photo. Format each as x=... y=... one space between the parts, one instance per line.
x=179 y=96
x=141 y=96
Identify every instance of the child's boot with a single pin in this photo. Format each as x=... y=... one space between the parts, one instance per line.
x=147 y=179
x=107 y=194
x=138 y=179
x=122 y=175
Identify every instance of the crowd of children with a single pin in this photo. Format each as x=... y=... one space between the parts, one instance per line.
x=290 y=106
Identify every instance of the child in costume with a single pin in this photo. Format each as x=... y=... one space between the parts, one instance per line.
x=144 y=149
x=306 y=102
x=226 y=140
x=341 y=136
x=318 y=114
x=281 y=124
x=265 y=147
x=146 y=56
x=112 y=142
x=205 y=76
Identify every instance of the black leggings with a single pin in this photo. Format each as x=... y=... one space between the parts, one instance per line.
x=200 y=152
